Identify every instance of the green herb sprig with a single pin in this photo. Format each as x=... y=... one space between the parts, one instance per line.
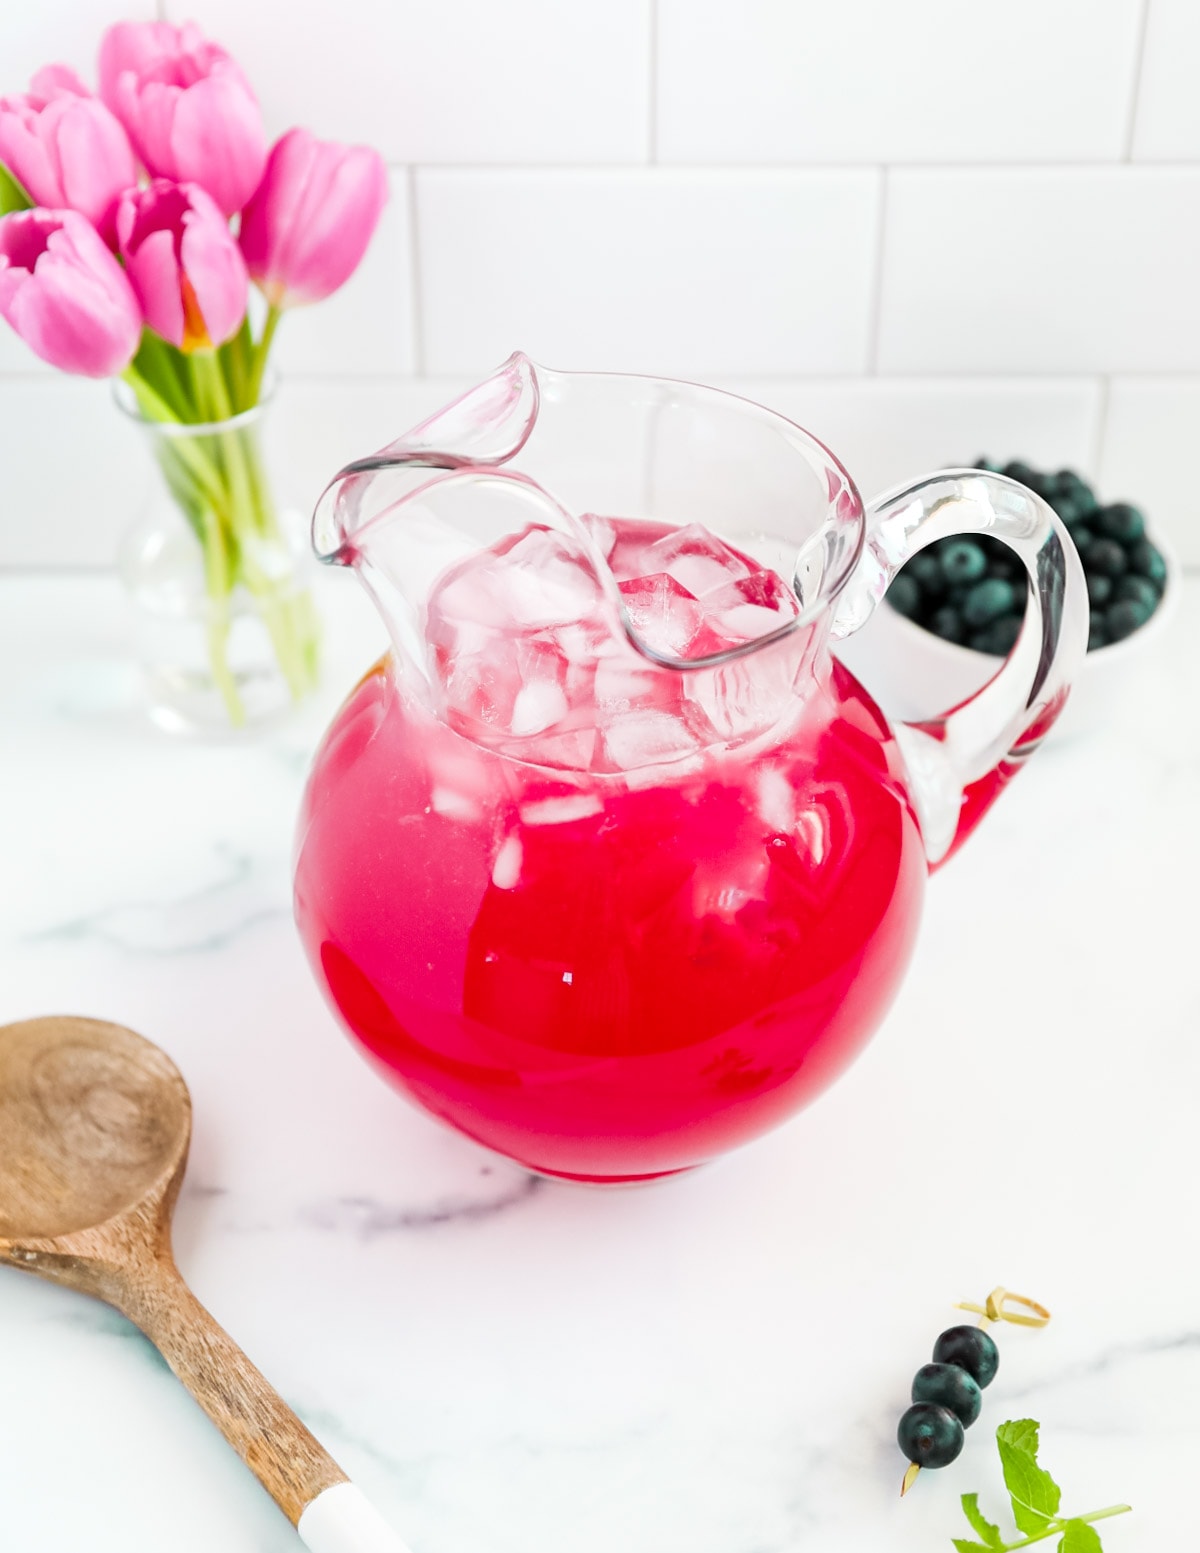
x=1035 y=1499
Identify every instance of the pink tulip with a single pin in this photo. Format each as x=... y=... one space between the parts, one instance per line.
x=185 y=267
x=65 y=294
x=66 y=148
x=52 y=79
x=311 y=218
x=188 y=108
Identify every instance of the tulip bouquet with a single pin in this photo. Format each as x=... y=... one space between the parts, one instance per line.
x=132 y=223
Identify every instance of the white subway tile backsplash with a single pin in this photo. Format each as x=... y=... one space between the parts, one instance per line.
x=58 y=510
x=1168 y=110
x=684 y=273
x=75 y=472
x=66 y=31
x=888 y=430
x=318 y=426
x=927 y=80
x=459 y=81
x=1150 y=455
x=367 y=326
x=1041 y=270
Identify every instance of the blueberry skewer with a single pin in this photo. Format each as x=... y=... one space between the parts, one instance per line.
x=948 y=1393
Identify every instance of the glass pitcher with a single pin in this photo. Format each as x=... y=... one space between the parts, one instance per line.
x=610 y=863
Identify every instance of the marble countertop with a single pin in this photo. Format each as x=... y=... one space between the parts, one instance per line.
x=712 y=1365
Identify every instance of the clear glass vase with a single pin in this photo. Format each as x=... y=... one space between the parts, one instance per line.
x=228 y=636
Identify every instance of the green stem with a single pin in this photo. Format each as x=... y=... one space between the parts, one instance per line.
x=288 y=617
x=1055 y=1527
x=234 y=356
x=155 y=408
x=216 y=576
x=262 y=351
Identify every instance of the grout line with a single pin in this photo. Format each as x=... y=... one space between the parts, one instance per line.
x=876 y=303
x=1099 y=164
x=416 y=298
x=922 y=377
x=652 y=89
x=1135 y=89
x=1100 y=436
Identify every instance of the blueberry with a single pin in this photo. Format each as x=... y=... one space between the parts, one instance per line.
x=1099 y=589
x=1023 y=474
x=1068 y=487
x=904 y=595
x=950 y=1386
x=1083 y=537
x=1097 y=633
x=987 y=466
x=927 y=570
x=971 y=1349
x=1146 y=561
x=1121 y=522
x=999 y=637
x=1123 y=619
x=947 y=623
x=962 y=561
x=1139 y=589
x=930 y=1435
x=988 y=600
x=1105 y=556
x=1069 y=511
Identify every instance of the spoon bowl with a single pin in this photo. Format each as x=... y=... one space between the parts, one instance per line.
x=94 y=1120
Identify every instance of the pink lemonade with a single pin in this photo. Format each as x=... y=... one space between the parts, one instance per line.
x=609 y=918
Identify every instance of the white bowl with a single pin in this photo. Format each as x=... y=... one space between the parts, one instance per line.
x=914 y=674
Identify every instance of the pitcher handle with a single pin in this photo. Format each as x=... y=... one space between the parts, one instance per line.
x=959 y=762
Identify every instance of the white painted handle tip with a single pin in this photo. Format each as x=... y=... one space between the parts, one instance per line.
x=343 y=1520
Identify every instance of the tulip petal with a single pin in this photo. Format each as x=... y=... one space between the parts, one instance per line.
x=217 y=140
x=65 y=294
x=51 y=80
x=26 y=156
x=311 y=219
x=154 y=270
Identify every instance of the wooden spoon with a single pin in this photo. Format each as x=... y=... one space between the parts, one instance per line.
x=95 y=1124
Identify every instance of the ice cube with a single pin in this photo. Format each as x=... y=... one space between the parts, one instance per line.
x=696 y=559
x=749 y=694
x=776 y=799
x=538 y=705
x=747 y=608
x=513 y=632
x=665 y=616
x=561 y=810
x=602 y=530
x=506 y=870
x=506 y=686
x=644 y=737
x=542 y=580
x=569 y=750
x=454 y=805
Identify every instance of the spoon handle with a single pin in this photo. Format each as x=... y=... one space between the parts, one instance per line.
x=330 y=1514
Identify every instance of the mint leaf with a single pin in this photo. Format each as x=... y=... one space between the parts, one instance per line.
x=1034 y=1493
x=965 y=1545
x=1022 y=1433
x=12 y=195
x=980 y=1523
x=1079 y=1537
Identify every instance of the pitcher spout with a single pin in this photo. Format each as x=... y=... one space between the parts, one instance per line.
x=484 y=428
